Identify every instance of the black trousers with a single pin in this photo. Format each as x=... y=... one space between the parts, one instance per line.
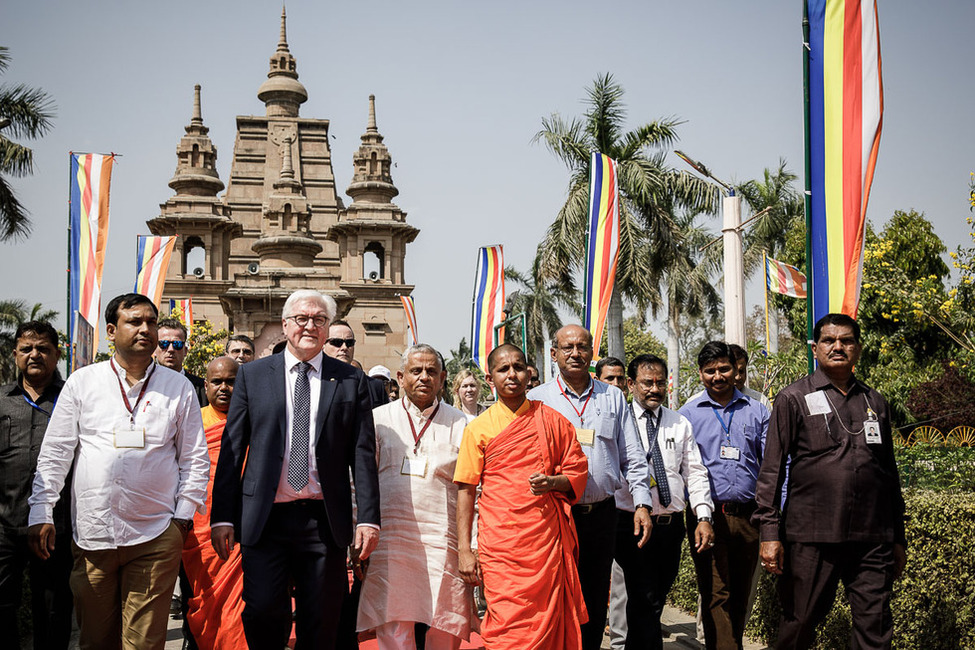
x=596 y=527
x=51 y=599
x=291 y=551
x=649 y=573
x=808 y=586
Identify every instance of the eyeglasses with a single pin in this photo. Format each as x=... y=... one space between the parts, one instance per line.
x=337 y=343
x=301 y=320
x=177 y=344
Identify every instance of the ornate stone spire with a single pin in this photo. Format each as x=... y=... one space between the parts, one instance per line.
x=196 y=167
x=282 y=93
x=371 y=179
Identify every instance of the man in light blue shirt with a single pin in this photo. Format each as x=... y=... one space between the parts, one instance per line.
x=608 y=435
x=730 y=429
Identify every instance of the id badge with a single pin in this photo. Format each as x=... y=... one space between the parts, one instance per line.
x=130 y=436
x=871 y=431
x=730 y=453
x=414 y=466
x=586 y=436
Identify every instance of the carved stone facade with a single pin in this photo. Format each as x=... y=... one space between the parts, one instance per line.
x=281 y=225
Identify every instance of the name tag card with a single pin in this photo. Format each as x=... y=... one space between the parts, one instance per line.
x=817 y=403
x=730 y=453
x=586 y=436
x=414 y=466
x=871 y=431
x=129 y=436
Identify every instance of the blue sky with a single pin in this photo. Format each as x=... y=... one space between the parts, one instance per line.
x=461 y=89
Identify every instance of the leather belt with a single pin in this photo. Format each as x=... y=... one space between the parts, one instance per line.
x=664 y=520
x=735 y=508
x=588 y=508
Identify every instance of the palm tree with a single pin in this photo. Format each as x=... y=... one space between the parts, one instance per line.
x=643 y=180
x=784 y=210
x=539 y=299
x=25 y=112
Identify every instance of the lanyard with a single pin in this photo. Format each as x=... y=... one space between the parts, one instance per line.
x=726 y=427
x=125 y=398
x=418 y=436
x=592 y=389
x=37 y=406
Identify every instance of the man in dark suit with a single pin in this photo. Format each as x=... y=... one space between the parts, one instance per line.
x=302 y=420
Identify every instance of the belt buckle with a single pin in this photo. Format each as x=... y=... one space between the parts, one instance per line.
x=585 y=508
x=729 y=508
x=663 y=520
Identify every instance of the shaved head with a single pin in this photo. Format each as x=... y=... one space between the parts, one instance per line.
x=219 y=384
x=222 y=363
x=505 y=347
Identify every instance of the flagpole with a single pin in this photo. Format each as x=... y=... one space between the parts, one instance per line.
x=810 y=279
x=768 y=344
x=70 y=351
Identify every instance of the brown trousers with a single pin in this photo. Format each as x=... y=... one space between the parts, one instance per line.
x=724 y=575
x=122 y=595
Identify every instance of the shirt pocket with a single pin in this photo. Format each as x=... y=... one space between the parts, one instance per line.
x=819 y=432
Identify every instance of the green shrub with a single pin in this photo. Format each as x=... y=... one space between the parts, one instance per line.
x=933 y=602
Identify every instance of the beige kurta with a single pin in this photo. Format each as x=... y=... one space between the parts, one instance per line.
x=413 y=572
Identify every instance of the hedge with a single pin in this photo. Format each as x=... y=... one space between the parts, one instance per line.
x=933 y=602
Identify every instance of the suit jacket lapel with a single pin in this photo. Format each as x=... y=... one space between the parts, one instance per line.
x=325 y=399
x=279 y=384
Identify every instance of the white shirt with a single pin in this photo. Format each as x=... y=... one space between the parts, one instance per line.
x=123 y=496
x=686 y=474
x=313 y=489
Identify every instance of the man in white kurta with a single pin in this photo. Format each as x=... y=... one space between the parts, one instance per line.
x=413 y=585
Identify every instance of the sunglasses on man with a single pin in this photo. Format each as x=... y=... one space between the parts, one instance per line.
x=337 y=343
x=177 y=344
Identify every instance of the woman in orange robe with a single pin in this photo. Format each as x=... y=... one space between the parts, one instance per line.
x=531 y=469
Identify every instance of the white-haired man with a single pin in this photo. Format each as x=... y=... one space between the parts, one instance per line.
x=293 y=513
x=413 y=585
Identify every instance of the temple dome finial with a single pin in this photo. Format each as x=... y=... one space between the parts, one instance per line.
x=282 y=93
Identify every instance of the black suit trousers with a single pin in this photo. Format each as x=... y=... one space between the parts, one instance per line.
x=291 y=551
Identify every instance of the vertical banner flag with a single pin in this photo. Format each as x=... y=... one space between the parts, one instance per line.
x=785 y=279
x=91 y=175
x=846 y=105
x=151 y=261
x=488 y=302
x=186 y=313
x=603 y=244
x=410 y=309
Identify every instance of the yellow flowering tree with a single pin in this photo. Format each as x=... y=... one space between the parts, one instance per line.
x=206 y=344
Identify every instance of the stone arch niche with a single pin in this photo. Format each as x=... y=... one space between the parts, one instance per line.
x=194 y=255
x=374 y=261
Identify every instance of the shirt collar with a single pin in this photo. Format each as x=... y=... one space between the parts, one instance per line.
x=821 y=381
x=290 y=361
x=638 y=411
x=706 y=399
x=17 y=387
x=566 y=388
x=415 y=411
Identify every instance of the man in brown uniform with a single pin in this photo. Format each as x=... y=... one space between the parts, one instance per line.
x=844 y=515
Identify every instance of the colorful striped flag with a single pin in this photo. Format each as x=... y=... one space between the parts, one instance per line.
x=410 y=309
x=785 y=279
x=151 y=261
x=604 y=243
x=488 y=302
x=845 y=117
x=185 y=307
x=91 y=176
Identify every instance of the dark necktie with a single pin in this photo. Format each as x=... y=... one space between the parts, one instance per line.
x=300 y=415
x=659 y=471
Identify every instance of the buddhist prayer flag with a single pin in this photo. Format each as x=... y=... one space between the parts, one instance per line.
x=785 y=279
x=488 y=302
x=410 y=309
x=185 y=308
x=845 y=116
x=603 y=244
x=91 y=175
x=151 y=261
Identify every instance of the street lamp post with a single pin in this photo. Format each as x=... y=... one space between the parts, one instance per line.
x=734 y=271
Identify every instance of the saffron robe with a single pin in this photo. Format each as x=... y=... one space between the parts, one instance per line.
x=216 y=605
x=527 y=544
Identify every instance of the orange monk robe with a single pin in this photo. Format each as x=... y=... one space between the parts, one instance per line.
x=216 y=605
x=527 y=544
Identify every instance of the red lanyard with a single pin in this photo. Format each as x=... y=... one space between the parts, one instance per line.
x=592 y=389
x=125 y=398
x=418 y=436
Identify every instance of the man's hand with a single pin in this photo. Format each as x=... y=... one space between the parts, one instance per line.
x=541 y=484
x=40 y=538
x=642 y=525
x=366 y=540
x=222 y=540
x=703 y=536
x=359 y=566
x=773 y=556
x=900 y=560
x=469 y=566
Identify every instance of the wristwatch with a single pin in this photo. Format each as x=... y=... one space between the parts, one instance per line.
x=643 y=505
x=706 y=520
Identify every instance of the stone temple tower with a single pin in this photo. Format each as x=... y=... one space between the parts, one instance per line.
x=281 y=226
